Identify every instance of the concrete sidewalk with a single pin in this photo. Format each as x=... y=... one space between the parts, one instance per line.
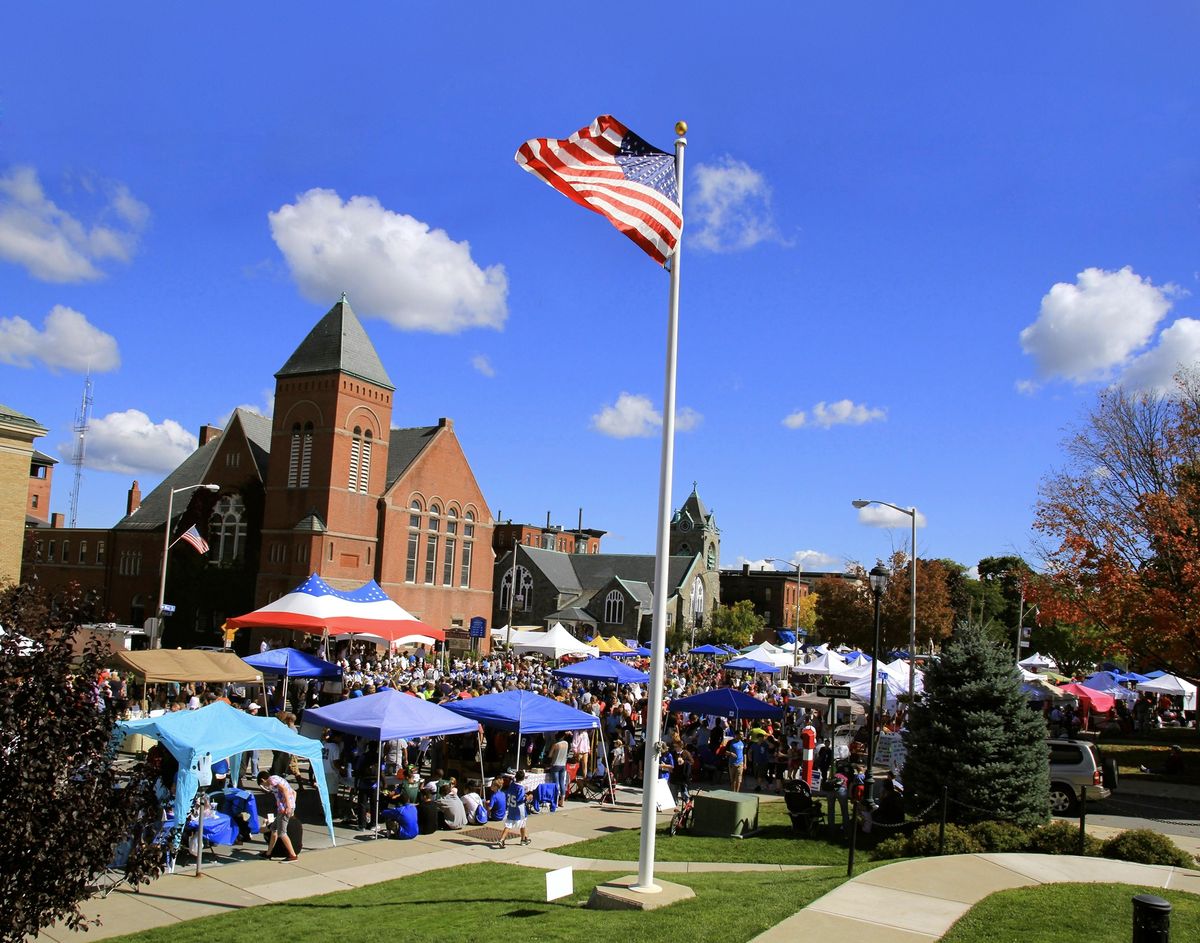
x=920 y=899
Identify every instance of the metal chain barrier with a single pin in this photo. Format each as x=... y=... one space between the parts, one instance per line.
x=1137 y=812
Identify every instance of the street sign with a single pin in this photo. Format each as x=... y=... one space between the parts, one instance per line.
x=478 y=627
x=168 y=610
x=1024 y=643
x=833 y=690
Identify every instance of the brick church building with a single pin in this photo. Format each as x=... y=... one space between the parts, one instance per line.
x=326 y=486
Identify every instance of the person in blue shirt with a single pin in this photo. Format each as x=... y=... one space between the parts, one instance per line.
x=514 y=819
x=497 y=801
x=403 y=816
x=736 y=751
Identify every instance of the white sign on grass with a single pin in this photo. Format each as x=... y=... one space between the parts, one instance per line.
x=560 y=883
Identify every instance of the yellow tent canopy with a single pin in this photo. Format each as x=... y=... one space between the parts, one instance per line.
x=165 y=664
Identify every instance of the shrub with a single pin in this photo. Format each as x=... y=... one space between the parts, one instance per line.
x=1146 y=847
x=924 y=841
x=894 y=847
x=1062 y=838
x=1000 y=837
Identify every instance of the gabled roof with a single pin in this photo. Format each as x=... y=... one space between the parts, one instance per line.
x=152 y=512
x=338 y=343
x=639 y=591
x=311 y=524
x=584 y=573
x=41 y=458
x=404 y=445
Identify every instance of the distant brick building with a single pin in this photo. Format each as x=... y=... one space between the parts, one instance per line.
x=325 y=486
x=17 y=432
x=550 y=537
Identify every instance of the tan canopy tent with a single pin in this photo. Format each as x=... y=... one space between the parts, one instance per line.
x=166 y=664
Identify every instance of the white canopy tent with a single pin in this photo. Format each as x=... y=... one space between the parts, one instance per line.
x=1173 y=686
x=829 y=663
x=556 y=643
x=772 y=655
x=1038 y=660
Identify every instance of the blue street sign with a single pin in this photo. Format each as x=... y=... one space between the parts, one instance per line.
x=478 y=627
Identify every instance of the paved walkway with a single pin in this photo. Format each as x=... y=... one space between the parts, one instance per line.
x=919 y=900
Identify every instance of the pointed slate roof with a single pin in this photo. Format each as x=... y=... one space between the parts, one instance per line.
x=694 y=508
x=338 y=343
x=404 y=445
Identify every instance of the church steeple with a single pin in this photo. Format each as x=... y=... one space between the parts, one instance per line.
x=338 y=343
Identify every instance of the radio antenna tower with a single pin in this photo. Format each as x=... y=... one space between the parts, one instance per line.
x=82 y=419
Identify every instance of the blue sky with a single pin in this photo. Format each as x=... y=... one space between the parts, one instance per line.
x=879 y=201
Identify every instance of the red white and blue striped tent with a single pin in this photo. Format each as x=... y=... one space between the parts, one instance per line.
x=366 y=612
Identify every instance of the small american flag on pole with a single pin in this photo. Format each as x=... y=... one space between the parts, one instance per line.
x=192 y=536
x=611 y=171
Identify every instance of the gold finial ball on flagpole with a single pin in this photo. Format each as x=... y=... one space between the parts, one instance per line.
x=681 y=127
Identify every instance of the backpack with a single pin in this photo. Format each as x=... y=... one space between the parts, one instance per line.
x=481 y=815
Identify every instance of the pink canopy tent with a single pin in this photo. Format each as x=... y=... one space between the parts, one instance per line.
x=316 y=607
x=1096 y=700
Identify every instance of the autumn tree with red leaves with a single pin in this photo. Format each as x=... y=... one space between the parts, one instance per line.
x=845 y=610
x=1121 y=529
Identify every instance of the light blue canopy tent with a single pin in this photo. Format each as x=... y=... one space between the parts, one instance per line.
x=603 y=669
x=218 y=731
x=750 y=664
x=389 y=715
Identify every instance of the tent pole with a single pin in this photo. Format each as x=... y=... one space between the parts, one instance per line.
x=482 y=775
x=378 y=776
x=612 y=791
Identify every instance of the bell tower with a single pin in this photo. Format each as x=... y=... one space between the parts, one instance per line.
x=328 y=464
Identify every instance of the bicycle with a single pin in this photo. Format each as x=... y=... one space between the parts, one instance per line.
x=682 y=819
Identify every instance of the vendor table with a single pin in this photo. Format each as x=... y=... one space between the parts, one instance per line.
x=234 y=802
x=219 y=828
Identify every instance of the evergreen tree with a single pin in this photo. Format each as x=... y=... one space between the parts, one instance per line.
x=975 y=733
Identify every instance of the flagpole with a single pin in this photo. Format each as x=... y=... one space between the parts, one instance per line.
x=658 y=630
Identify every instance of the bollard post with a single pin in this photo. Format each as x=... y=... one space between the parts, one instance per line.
x=1151 y=919
x=942 y=823
x=853 y=835
x=1082 y=818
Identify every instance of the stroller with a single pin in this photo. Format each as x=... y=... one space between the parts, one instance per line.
x=805 y=812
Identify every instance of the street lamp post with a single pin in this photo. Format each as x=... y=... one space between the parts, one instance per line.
x=912 y=573
x=879 y=581
x=796 y=641
x=162 y=584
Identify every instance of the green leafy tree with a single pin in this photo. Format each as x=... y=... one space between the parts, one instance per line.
x=59 y=795
x=735 y=625
x=975 y=733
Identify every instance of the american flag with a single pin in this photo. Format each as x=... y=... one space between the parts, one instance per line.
x=192 y=536
x=610 y=170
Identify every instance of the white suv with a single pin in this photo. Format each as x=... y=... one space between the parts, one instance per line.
x=1075 y=765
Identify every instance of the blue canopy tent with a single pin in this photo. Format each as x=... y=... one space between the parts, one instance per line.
x=389 y=715
x=292 y=663
x=219 y=731
x=524 y=712
x=1152 y=675
x=708 y=650
x=603 y=669
x=750 y=664
x=725 y=702
x=731 y=650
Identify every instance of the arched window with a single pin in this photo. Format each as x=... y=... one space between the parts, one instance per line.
x=614 y=607
x=711 y=557
x=431 y=542
x=524 y=600
x=414 y=541
x=306 y=454
x=698 y=601
x=451 y=547
x=355 y=450
x=468 y=543
x=227 y=529
x=294 y=458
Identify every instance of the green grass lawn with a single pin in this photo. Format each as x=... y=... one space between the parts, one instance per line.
x=775 y=843
x=1052 y=913
x=492 y=902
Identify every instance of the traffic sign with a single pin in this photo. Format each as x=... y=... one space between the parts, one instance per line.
x=478 y=627
x=833 y=690
x=167 y=610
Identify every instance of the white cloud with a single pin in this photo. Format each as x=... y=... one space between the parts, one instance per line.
x=877 y=515
x=54 y=246
x=731 y=207
x=267 y=408
x=633 y=416
x=1154 y=371
x=481 y=363
x=129 y=442
x=1026 y=387
x=844 y=412
x=393 y=266
x=67 y=341
x=1085 y=330
x=811 y=561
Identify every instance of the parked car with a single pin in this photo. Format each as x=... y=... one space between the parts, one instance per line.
x=1075 y=765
